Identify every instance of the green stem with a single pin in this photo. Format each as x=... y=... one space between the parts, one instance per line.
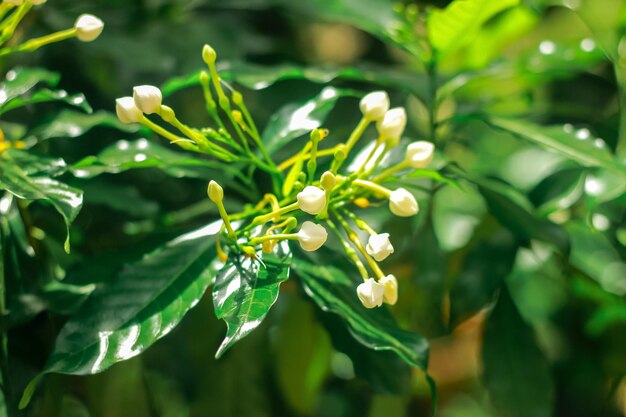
x=377 y=188
x=182 y=142
x=36 y=43
x=9 y=25
x=354 y=238
x=390 y=171
x=354 y=137
x=620 y=74
x=279 y=236
x=266 y=217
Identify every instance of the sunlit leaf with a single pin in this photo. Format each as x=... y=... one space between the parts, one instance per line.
x=45 y=95
x=295 y=120
x=21 y=80
x=246 y=289
x=459 y=22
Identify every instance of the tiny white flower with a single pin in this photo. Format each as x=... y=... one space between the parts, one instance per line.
x=392 y=125
x=391 y=289
x=420 y=154
x=371 y=293
x=312 y=236
x=402 y=203
x=88 y=27
x=126 y=110
x=148 y=98
x=312 y=200
x=379 y=246
x=374 y=105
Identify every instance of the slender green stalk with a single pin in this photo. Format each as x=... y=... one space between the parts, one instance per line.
x=36 y=43
x=352 y=140
x=350 y=252
x=354 y=238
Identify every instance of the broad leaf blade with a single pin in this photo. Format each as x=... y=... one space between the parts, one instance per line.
x=21 y=80
x=71 y=124
x=515 y=370
x=144 y=302
x=578 y=145
x=45 y=95
x=245 y=290
x=375 y=328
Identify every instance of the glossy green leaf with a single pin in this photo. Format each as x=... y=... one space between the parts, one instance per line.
x=515 y=371
x=65 y=199
x=374 y=328
x=593 y=253
x=246 y=289
x=45 y=95
x=295 y=120
x=19 y=81
x=579 y=145
x=142 y=153
x=482 y=273
x=258 y=77
x=36 y=164
x=71 y=124
x=120 y=197
x=142 y=304
x=459 y=23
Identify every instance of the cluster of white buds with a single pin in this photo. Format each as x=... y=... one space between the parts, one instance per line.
x=301 y=191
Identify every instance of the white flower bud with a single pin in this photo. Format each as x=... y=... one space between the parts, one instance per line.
x=420 y=154
x=126 y=110
x=371 y=293
x=312 y=200
x=148 y=98
x=328 y=181
x=402 y=203
x=312 y=236
x=379 y=246
x=374 y=105
x=88 y=27
x=391 y=289
x=215 y=192
x=392 y=125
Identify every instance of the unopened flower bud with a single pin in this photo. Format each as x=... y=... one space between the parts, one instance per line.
x=88 y=27
x=167 y=113
x=208 y=55
x=379 y=246
x=402 y=203
x=371 y=293
x=328 y=181
x=205 y=78
x=237 y=98
x=391 y=289
x=312 y=236
x=215 y=192
x=340 y=153
x=392 y=125
x=127 y=111
x=362 y=202
x=148 y=98
x=237 y=116
x=420 y=154
x=312 y=200
x=374 y=105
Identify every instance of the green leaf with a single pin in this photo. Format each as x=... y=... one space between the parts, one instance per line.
x=593 y=253
x=144 y=302
x=45 y=95
x=65 y=199
x=559 y=191
x=258 y=77
x=35 y=164
x=515 y=371
x=121 y=197
x=19 y=81
x=295 y=120
x=71 y=124
x=374 y=328
x=482 y=273
x=578 y=145
x=459 y=23
x=142 y=153
x=245 y=290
